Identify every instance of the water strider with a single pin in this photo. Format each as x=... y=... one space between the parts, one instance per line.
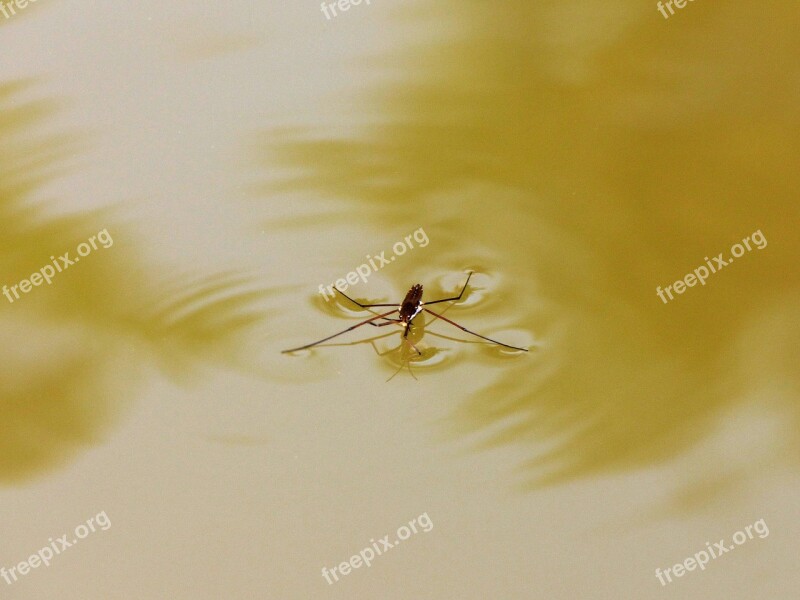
x=411 y=306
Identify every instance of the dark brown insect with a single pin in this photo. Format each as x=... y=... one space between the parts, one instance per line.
x=411 y=306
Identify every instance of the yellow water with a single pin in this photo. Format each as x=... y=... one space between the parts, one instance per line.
x=574 y=156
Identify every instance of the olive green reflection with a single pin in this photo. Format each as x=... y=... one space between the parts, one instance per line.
x=588 y=161
x=73 y=349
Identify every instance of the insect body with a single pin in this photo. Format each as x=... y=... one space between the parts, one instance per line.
x=411 y=306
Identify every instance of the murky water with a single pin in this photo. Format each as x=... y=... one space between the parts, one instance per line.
x=574 y=157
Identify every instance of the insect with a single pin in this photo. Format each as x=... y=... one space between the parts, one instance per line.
x=407 y=311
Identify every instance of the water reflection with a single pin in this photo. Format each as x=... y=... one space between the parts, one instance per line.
x=401 y=352
x=588 y=165
x=73 y=351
